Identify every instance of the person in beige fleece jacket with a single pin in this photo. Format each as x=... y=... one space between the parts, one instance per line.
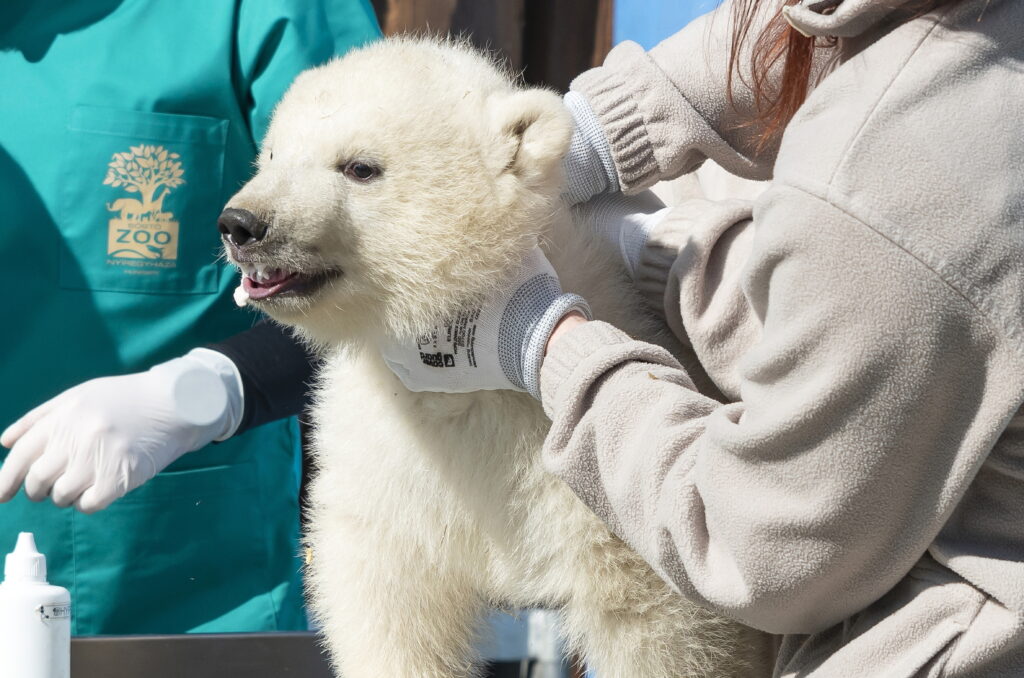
x=862 y=492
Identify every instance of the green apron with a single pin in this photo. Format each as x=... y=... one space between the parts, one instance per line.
x=124 y=128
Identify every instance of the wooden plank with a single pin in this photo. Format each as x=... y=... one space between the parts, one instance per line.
x=602 y=32
x=563 y=38
x=493 y=25
x=417 y=16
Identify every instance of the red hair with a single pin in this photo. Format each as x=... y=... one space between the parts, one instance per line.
x=780 y=68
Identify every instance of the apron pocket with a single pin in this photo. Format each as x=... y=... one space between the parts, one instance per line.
x=140 y=195
x=185 y=549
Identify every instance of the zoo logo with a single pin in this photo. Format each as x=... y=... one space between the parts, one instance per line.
x=142 y=234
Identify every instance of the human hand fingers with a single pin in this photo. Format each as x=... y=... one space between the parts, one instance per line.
x=13 y=433
x=97 y=497
x=69 y=487
x=29 y=447
x=45 y=470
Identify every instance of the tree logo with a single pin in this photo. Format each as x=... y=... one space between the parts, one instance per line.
x=142 y=233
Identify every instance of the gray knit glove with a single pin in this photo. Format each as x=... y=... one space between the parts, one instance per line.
x=497 y=346
x=625 y=221
x=589 y=169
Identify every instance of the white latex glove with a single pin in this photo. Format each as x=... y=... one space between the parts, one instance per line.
x=625 y=221
x=589 y=168
x=498 y=346
x=99 y=440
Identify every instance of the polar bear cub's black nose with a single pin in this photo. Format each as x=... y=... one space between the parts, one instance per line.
x=242 y=226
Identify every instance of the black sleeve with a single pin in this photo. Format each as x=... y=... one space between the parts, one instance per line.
x=276 y=371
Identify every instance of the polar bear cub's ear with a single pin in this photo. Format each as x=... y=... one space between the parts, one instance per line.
x=531 y=129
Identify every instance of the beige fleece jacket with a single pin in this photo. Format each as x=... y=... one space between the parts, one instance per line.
x=863 y=493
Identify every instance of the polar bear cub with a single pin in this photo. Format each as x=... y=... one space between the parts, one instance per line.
x=397 y=185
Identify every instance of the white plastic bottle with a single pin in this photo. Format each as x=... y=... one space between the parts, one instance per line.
x=35 y=618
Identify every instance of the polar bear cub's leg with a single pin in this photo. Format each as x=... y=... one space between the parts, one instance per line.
x=395 y=578
x=669 y=641
x=627 y=623
x=385 y=611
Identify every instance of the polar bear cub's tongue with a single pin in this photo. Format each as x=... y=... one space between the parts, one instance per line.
x=268 y=284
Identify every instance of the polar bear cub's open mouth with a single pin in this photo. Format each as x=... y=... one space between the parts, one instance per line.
x=263 y=278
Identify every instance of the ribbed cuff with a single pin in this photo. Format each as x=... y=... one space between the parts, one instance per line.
x=589 y=168
x=612 y=100
x=568 y=352
x=534 y=354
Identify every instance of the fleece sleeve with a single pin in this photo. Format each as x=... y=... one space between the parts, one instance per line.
x=691 y=270
x=278 y=40
x=665 y=111
x=865 y=408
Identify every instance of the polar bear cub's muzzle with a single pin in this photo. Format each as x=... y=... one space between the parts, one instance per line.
x=264 y=277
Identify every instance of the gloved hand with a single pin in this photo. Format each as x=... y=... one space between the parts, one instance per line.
x=625 y=221
x=498 y=346
x=101 y=439
x=589 y=168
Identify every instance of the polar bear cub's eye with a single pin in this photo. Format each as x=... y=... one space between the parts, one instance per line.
x=360 y=171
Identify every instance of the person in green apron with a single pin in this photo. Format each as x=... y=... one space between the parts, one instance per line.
x=125 y=125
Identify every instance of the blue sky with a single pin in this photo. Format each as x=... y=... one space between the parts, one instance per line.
x=648 y=22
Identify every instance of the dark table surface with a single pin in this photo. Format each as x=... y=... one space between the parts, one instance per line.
x=227 y=655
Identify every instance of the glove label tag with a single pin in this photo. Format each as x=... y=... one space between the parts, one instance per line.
x=438 y=359
x=452 y=344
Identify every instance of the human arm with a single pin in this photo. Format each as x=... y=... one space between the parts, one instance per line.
x=99 y=440
x=661 y=113
x=670 y=254
x=865 y=406
x=275 y=371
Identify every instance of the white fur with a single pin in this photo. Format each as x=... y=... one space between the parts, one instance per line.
x=428 y=507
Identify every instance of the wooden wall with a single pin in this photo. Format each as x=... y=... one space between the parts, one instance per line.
x=550 y=41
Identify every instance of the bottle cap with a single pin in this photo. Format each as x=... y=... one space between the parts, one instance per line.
x=25 y=562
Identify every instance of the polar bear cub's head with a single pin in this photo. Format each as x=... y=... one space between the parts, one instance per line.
x=395 y=186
